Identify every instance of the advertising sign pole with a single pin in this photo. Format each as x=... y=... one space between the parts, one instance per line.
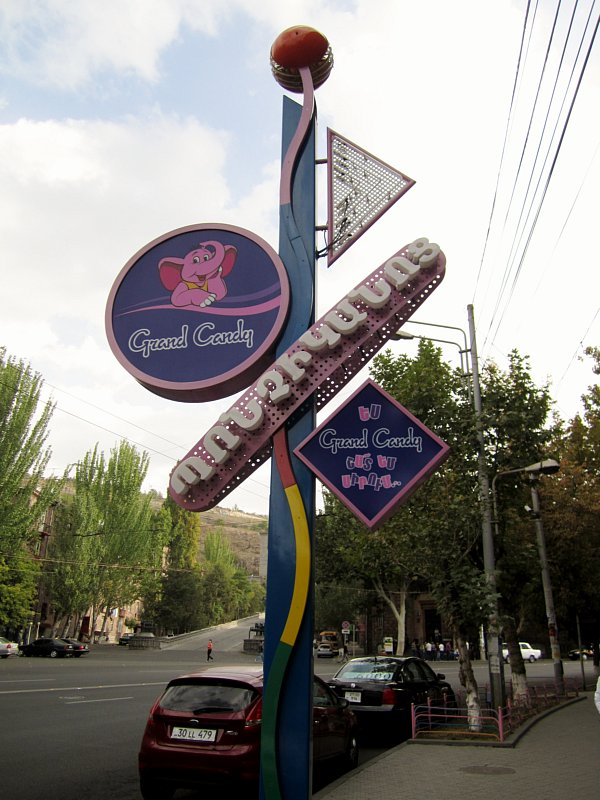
x=198 y=313
x=286 y=745
x=287 y=702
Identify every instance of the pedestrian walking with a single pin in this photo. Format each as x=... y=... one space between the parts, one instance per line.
x=209 y=649
x=597 y=696
x=344 y=653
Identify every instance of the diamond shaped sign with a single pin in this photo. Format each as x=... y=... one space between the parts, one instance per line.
x=372 y=453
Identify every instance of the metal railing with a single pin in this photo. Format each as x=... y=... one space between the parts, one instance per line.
x=486 y=723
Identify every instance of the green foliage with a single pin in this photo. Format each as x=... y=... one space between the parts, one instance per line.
x=24 y=495
x=18 y=590
x=195 y=595
x=435 y=537
x=108 y=544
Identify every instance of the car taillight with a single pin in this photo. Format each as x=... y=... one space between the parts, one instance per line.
x=254 y=715
x=151 y=725
x=388 y=698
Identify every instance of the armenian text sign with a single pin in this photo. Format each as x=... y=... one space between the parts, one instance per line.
x=320 y=362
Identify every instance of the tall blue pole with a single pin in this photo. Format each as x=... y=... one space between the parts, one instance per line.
x=287 y=712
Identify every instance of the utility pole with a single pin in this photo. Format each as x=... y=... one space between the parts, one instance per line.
x=547 y=585
x=494 y=653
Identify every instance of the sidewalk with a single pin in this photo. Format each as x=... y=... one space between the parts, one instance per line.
x=557 y=756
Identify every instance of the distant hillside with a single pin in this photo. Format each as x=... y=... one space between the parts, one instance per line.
x=242 y=531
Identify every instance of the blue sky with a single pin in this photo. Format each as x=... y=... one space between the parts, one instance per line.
x=120 y=121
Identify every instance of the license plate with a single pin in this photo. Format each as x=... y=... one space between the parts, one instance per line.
x=352 y=697
x=194 y=734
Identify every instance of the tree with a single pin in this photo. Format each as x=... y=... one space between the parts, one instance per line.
x=376 y=561
x=517 y=433
x=110 y=541
x=18 y=588
x=25 y=496
x=227 y=591
x=571 y=505
x=175 y=603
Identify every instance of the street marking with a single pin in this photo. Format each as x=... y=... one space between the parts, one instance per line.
x=102 y=700
x=80 y=688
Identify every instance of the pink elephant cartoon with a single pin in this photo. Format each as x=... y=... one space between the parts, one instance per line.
x=197 y=279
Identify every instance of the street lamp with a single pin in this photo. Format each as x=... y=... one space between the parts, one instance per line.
x=546 y=467
x=463 y=352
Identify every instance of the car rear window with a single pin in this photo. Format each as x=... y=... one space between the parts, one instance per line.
x=367 y=671
x=205 y=697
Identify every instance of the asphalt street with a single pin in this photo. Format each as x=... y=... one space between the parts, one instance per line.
x=71 y=728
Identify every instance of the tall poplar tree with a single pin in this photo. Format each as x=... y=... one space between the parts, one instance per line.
x=25 y=495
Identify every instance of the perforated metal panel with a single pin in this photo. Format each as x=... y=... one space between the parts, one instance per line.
x=360 y=188
x=327 y=373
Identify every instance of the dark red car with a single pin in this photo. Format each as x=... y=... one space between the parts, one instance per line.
x=205 y=730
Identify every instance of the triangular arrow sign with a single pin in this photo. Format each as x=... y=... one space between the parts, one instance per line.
x=360 y=188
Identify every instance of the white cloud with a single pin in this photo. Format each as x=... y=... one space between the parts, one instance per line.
x=425 y=87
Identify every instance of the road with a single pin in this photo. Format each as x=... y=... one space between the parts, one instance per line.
x=70 y=728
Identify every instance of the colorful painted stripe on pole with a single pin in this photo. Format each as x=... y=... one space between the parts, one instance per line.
x=288 y=638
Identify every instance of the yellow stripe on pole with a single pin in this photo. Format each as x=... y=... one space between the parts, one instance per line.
x=302 y=576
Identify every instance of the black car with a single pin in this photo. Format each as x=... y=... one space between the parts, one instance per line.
x=79 y=648
x=47 y=647
x=125 y=638
x=381 y=690
x=583 y=654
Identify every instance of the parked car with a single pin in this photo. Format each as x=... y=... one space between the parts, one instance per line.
x=8 y=648
x=79 y=648
x=327 y=650
x=381 y=689
x=205 y=730
x=47 y=647
x=584 y=654
x=126 y=638
x=528 y=652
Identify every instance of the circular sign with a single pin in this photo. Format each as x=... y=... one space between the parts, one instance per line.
x=195 y=314
x=345 y=626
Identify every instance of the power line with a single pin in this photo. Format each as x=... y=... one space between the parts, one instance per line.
x=528 y=220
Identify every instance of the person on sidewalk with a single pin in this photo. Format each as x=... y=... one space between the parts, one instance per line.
x=209 y=649
x=597 y=696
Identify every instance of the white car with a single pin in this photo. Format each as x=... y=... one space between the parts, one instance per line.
x=327 y=650
x=8 y=648
x=528 y=652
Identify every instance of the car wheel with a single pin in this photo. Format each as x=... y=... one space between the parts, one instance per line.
x=53 y=653
x=531 y=659
x=6 y=656
x=351 y=754
x=155 y=790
